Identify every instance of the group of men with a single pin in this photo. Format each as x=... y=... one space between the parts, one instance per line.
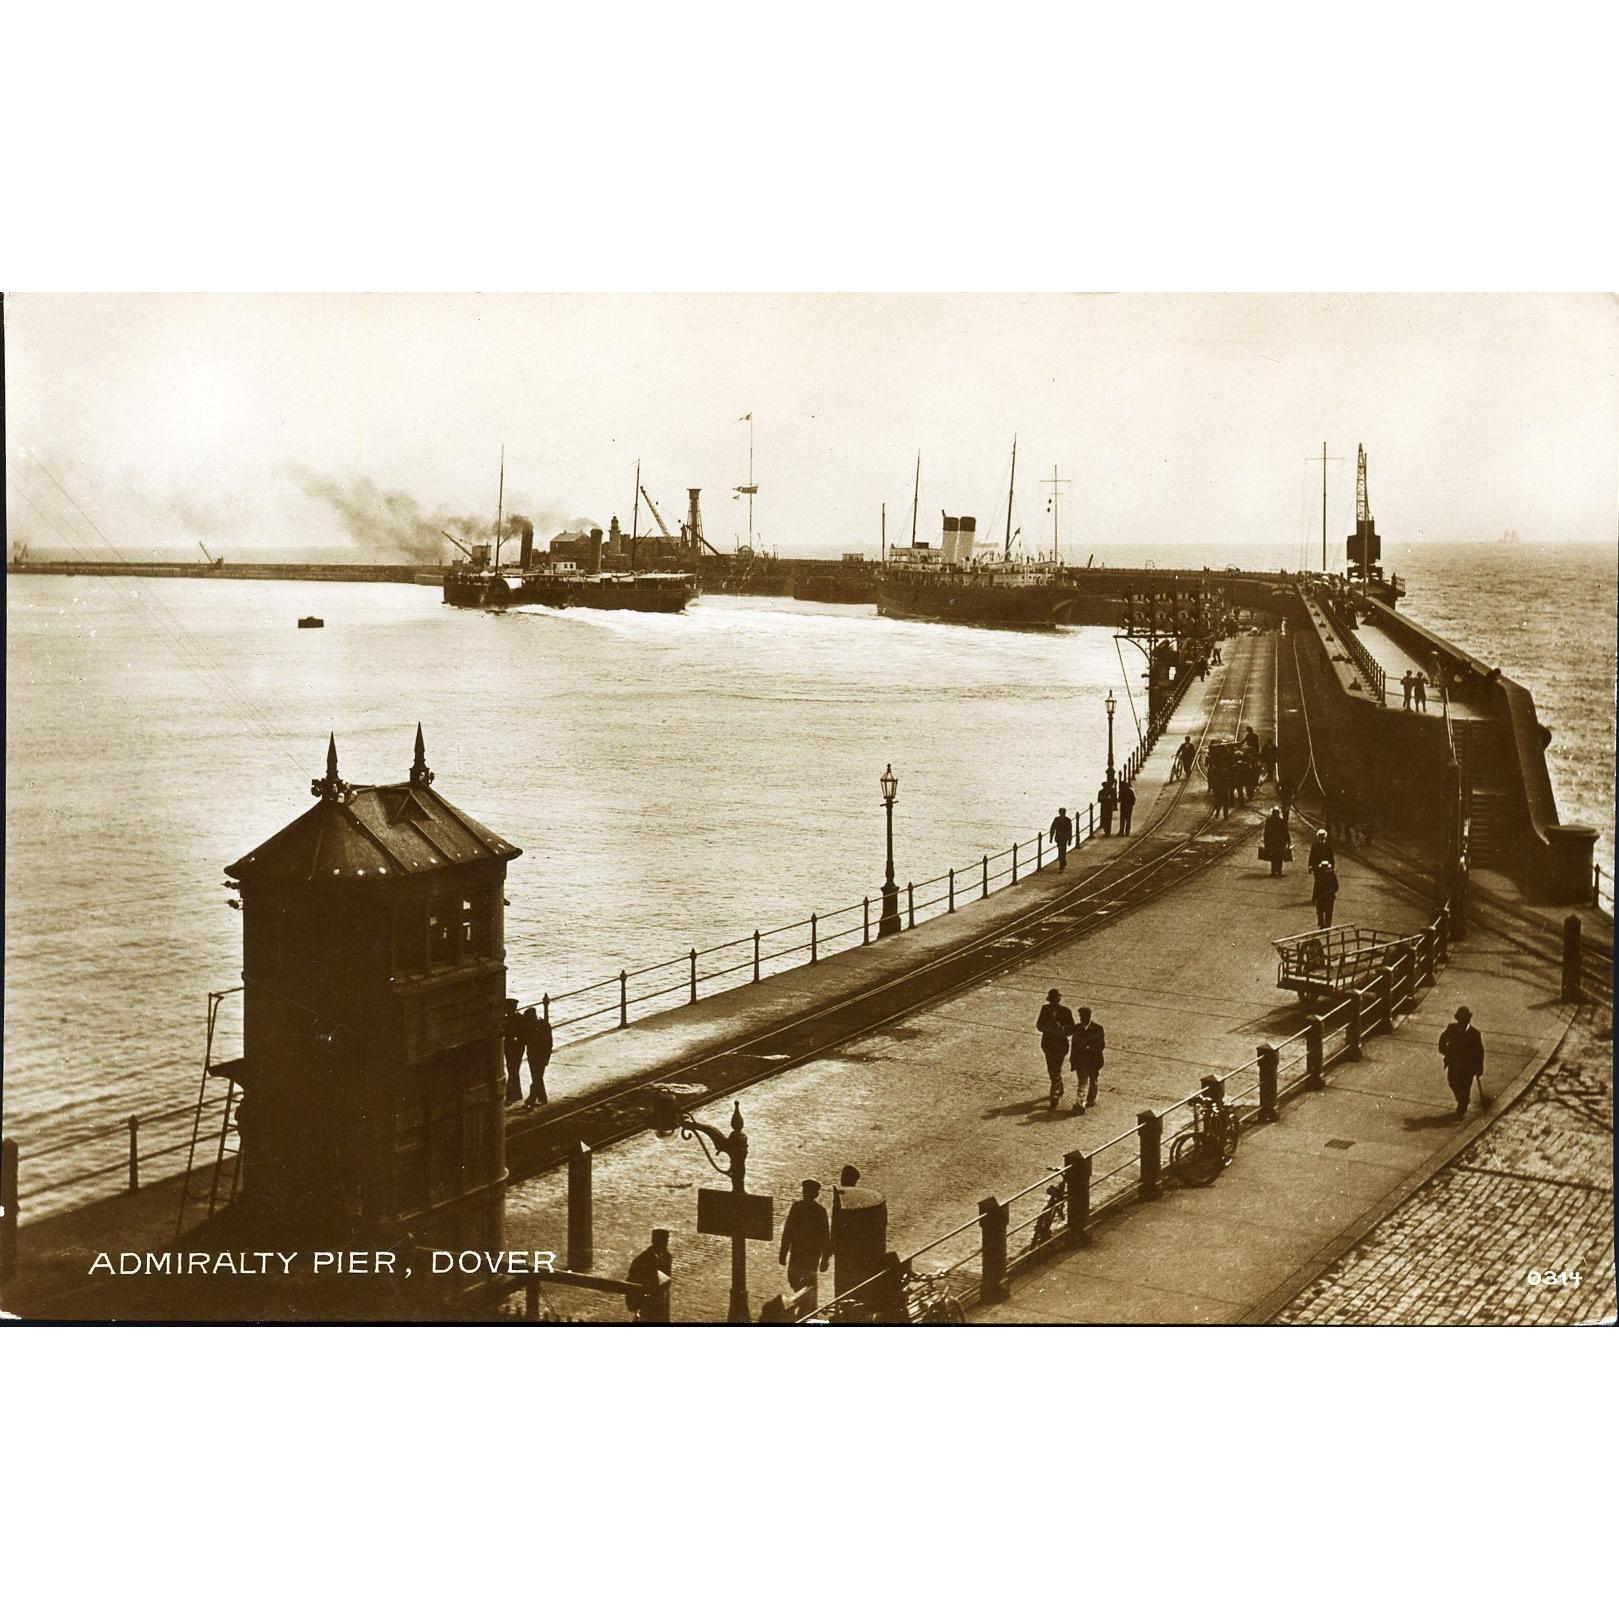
x=1415 y=686
x=1120 y=798
x=1080 y=1043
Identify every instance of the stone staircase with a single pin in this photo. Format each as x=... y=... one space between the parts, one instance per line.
x=1490 y=794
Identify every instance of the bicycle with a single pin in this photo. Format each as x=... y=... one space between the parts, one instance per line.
x=1056 y=1204
x=1198 y=1155
x=929 y=1303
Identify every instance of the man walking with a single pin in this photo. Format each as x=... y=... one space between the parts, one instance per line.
x=1127 y=804
x=1056 y=1026
x=1405 y=685
x=1462 y=1047
x=538 y=1042
x=1419 y=689
x=1267 y=759
x=1062 y=834
x=806 y=1238
x=649 y=1273
x=1089 y=1042
x=1105 y=801
x=1325 y=893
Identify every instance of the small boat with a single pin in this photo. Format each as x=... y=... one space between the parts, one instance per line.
x=311 y=623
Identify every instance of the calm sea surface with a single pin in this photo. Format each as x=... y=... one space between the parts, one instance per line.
x=672 y=781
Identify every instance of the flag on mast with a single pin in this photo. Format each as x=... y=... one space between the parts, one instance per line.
x=747 y=418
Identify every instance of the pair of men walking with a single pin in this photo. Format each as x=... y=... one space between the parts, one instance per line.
x=1081 y=1043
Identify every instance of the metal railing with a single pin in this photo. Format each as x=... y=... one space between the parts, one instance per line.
x=1369 y=669
x=1131 y=1168
x=1601 y=888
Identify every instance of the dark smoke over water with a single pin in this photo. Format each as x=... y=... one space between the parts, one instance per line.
x=392 y=525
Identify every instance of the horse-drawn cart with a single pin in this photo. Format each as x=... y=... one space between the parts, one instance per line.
x=1329 y=962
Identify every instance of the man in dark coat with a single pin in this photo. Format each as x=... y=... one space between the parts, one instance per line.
x=538 y=1042
x=1462 y=1047
x=1056 y=1026
x=1275 y=843
x=1267 y=759
x=649 y=1273
x=1062 y=834
x=1324 y=891
x=1105 y=801
x=514 y=1054
x=806 y=1238
x=1089 y=1042
x=1127 y=804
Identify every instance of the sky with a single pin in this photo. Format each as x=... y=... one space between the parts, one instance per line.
x=264 y=424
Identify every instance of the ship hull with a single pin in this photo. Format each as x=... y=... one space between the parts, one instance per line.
x=624 y=593
x=989 y=606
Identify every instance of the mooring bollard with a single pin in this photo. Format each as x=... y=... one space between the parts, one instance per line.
x=992 y=1223
x=1150 y=1129
x=1315 y=1065
x=1077 y=1177
x=756 y=955
x=1268 y=1064
x=694 y=975
x=952 y=910
x=8 y=1209
x=545 y=1007
x=1571 y=958
x=865 y=920
x=1356 y=1024
x=134 y=1153
x=623 y=999
x=581 y=1209
x=910 y=904
x=814 y=943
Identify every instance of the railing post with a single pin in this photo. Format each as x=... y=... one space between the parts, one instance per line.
x=865 y=920
x=1090 y=813
x=992 y=1223
x=581 y=1209
x=910 y=904
x=1571 y=958
x=694 y=975
x=814 y=942
x=1315 y=1067
x=1425 y=948
x=1077 y=1175
x=1268 y=1064
x=986 y=876
x=623 y=999
x=1383 y=989
x=1406 y=968
x=134 y=1153
x=8 y=1209
x=756 y=955
x=1014 y=862
x=531 y=1298
x=1354 y=1028
x=1442 y=936
x=1039 y=851
x=952 y=910
x=1150 y=1129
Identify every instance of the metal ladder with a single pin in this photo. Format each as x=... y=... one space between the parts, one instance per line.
x=228 y=1146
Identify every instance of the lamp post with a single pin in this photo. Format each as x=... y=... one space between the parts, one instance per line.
x=889 y=922
x=667 y=1117
x=1110 y=704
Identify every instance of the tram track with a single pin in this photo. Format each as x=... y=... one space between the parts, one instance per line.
x=1153 y=864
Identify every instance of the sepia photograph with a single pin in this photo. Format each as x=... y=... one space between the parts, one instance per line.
x=814 y=809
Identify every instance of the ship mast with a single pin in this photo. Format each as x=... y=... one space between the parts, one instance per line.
x=915 y=493
x=884 y=552
x=1009 y=491
x=635 y=517
x=1057 y=485
x=500 y=507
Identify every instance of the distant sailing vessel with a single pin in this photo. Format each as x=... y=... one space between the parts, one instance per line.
x=952 y=585
x=1511 y=537
x=574 y=576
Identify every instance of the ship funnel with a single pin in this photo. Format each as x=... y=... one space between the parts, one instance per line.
x=694 y=518
x=528 y=546
x=967 y=538
x=595 y=556
x=951 y=539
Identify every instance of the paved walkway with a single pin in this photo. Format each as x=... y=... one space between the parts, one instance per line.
x=1519 y=1229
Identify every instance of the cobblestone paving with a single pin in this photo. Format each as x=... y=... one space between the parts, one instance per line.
x=1532 y=1196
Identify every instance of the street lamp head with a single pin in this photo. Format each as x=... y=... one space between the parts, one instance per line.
x=889 y=783
x=1111 y=703
x=664 y=1114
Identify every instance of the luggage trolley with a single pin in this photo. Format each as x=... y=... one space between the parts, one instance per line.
x=1329 y=962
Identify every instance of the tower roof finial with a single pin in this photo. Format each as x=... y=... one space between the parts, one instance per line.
x=420 y=775
x=331 y=785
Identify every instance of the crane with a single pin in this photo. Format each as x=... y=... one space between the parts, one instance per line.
x=460 y=545
x=213 y=562
x=656 y=514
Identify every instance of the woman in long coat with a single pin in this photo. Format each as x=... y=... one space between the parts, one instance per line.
x=1273 y=843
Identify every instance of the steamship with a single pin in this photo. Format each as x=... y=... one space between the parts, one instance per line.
x=949 y=584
